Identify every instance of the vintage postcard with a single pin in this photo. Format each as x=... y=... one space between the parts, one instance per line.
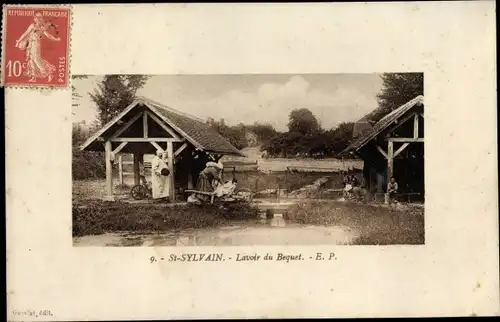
x=250 y=160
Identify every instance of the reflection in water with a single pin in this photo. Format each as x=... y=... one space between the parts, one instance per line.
x=189 y=240
x=274 y=231
x=278 y=221
x=132 y=241
x=182 y=241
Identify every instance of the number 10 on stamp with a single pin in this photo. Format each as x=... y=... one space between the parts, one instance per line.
x=36 y=46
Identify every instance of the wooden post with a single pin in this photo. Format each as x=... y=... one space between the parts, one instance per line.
x=120 y=169
x=189 y=167
x=415 y=126
x=370 y=180
x=145 y=124
x=188 y=159
x=286 y=182
x=380 y=180
x=390 y=164
x=137 y=174
x=171 y=177
x=278 y=194
x=109 y=170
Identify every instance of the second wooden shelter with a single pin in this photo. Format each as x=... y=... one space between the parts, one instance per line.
x=394 y=146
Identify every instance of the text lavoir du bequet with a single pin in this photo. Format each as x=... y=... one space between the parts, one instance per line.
x=220 y=257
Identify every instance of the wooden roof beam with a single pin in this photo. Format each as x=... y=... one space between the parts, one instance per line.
x=118 y=149
x=108 y=125
x=160 y=123
x=157 y=146
x=401 y=148
x=179 y=150
x=405 y=139
x=126 y=126
x=147 y=140
x=382 y=151
x=399 y=123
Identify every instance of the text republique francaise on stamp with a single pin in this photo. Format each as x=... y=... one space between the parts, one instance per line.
x=35 y=46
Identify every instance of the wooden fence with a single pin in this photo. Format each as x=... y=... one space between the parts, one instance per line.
x=130 y=164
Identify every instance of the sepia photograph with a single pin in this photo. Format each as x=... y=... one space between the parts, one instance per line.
x=242 y=160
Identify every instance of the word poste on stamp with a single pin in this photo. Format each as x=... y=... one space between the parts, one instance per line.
x=36 y=46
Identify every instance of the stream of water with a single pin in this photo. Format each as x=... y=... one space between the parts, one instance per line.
x=273 y=231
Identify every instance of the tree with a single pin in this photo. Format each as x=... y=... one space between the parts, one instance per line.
x=234 y=134
x=114 y=93
x=264 y=131
x=397 y=89
x=75 y=96
x=341 y=136
x=276 y=145
x=303 y=121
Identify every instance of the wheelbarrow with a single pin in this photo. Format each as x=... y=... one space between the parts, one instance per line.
x=141 y=191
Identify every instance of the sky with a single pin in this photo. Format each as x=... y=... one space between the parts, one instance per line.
x=333 y=98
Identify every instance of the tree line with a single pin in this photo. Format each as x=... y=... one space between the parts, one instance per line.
x=305 y=136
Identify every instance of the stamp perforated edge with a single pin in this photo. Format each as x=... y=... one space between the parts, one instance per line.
x=38 y=87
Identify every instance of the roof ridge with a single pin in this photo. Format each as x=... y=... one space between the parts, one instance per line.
x=381 y=124
x=410 y=103
x=168 y=108
x=366 y=117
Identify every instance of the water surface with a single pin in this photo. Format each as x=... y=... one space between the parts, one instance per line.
x=275 y=231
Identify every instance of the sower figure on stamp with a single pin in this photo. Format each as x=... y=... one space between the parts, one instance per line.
x=30 y=40
x=160 y=184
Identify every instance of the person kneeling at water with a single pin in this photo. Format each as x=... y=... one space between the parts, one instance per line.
x=210 y=177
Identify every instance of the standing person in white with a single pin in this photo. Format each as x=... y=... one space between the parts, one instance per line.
x=160 y=184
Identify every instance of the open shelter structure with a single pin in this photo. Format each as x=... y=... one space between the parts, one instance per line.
x=146 y=126
x=394 y=146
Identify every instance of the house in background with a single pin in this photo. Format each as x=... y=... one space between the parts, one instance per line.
x=394 y=146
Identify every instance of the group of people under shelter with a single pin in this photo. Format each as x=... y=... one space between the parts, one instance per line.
x=354 y=189
x=209 y=179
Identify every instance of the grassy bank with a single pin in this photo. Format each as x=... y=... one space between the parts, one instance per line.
x=98 y=217
x=376 y=225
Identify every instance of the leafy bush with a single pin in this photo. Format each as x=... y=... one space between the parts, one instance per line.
x=85 y=164
x=88 y=165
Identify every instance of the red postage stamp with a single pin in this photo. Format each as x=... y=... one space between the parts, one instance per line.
x=36 y=46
